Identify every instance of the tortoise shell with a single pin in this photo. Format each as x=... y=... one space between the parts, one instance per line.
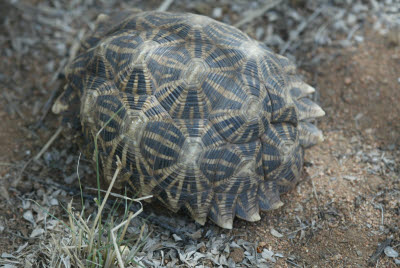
x=201 y=115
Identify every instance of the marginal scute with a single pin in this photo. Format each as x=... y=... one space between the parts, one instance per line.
x=309 y=134
x=308 y=109
x=222 y=209
x=300 y=90
x=268 y=196
x=247 y=206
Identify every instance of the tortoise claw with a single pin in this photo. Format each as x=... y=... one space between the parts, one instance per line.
x=221 y=212
x=247 y=206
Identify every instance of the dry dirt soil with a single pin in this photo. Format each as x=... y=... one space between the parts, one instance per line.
x=349 y=201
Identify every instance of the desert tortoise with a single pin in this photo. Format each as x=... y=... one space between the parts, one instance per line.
x=201 y=115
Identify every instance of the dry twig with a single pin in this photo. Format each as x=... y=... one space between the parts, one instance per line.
x=300 y=29
x=375 y=257
x=165 y=5
x=257 y=13
x=49 y=143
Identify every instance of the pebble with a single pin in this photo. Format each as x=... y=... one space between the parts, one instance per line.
x=9 y=266
x=350 y=178
x=259 y=33
x=53 y=202
x=359 y=38
x=390 y=252
x=276 y=233
x=36 y=232
x=29 y=217
x=217 y=12
x=347 y=80
x=176 y=238
x=237 y=255
x=267 y=254
x=351 y=19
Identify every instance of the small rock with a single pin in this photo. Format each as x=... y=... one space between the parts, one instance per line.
x=397 y=261
x=267 y=254
x=237 y=255
x=390 y=252
x=217 y=12
x=1 y=228
x=7 y=256
x=351 y=19
x=26 y=204
x=347 y=80
x=20 y=248
x=124 y=252
x=359 y=38
x=53 y=202
x=350 y=178
x=276 y=233
x=359 y=253
x=9 y=266
x=176 y=238
x=36 y=232
x=29 y=217
x=259 y=33
x=197 y=234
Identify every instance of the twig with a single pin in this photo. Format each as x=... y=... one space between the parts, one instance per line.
x=76 y=45
x=19 y=177
x=13 y=105
x=6 y=164
x=315 y=191
x=292 y=263
x=379 y=206
x=257 y=13
x=374 y=257
x=295 y=231
x=165 y=5
x=299 y=29
x=47 y=105
x=54 y=92
x=48 y=144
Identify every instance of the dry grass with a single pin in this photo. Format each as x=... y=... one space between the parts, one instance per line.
x=94 y=243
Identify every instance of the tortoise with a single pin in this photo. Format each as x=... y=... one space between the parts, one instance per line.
x=202 y=116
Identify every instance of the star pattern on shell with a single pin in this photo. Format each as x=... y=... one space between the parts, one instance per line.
x=202 y=116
